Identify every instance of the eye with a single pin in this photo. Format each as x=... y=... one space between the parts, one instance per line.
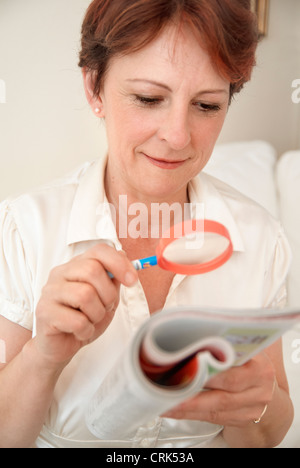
x=147 y=100
x=204 y=107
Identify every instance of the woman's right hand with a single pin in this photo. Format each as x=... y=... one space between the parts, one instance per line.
x=79 y=301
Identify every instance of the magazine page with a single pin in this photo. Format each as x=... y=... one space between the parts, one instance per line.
x=174 y=332
x=171 y=358
x=128 y=398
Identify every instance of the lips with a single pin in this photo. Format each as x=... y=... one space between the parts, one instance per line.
x=164 y=163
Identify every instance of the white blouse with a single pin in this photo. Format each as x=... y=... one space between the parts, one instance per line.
x=52 y=224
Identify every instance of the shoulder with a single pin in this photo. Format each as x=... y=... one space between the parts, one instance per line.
x=244 y=209
x=263 y=258
x=261 y=234
x=43 y=203
x=37 y=222
x=55 y=189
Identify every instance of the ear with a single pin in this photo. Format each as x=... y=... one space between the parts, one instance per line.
x=95 y=102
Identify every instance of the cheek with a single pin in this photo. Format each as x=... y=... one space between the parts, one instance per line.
x=128 y=129
x=206 y=134
x=204 y=140
x=141 y=126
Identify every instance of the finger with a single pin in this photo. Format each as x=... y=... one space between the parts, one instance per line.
x=100 y=259
x=234 y=380
x=220 y=407
x=82 y=297
x=70 y=321
x=259 y=371
x=90 y=272
x=116 y=262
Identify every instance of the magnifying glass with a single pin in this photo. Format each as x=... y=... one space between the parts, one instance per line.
x=191 y=248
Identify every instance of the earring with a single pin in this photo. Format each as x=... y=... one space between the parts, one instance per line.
x=97 y=110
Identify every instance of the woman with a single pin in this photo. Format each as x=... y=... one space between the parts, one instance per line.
x=161 y=74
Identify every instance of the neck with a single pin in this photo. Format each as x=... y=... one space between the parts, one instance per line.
x=139 y=217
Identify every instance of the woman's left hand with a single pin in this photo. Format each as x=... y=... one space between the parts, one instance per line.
x=233 y=398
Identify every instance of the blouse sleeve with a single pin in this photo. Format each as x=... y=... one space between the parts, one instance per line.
x=276 y=274
x=16 y=298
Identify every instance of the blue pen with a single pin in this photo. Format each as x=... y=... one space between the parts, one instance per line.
x=144 y=263
x=141 y=264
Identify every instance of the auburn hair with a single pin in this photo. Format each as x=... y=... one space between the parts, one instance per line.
x=226 y=28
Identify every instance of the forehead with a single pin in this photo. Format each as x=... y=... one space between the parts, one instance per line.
x=175 y=52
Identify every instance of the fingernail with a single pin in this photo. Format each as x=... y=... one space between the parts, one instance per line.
x=130 y=278
x=110 y=309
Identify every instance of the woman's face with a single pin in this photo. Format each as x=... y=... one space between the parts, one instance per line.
x=164 y=107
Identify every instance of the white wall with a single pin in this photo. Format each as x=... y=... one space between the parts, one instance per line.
x=46 y=127
x=265 y=109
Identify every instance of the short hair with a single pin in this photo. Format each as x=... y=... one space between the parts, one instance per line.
x=226 y=28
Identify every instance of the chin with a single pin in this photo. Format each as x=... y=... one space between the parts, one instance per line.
x=163 y=190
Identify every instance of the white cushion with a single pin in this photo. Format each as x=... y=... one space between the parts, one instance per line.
x=288 y=180
x=252 y=168
x=291 y=354
x=249 y=167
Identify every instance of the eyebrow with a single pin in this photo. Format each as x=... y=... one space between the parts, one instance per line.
x=162 y=85
x=152 y=82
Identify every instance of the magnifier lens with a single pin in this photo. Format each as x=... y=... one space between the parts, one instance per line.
x=194 y=249
x=199 y=250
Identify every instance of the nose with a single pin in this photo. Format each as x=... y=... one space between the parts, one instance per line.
x=175 y=129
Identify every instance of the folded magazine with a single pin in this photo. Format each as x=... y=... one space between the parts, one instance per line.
x=172 y=356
